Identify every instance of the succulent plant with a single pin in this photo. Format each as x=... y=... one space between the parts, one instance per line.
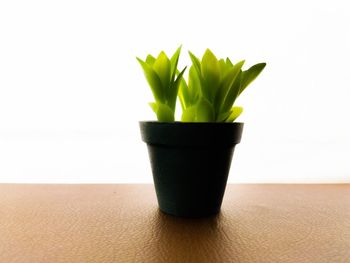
x=209 y=94
x=212 y=88
x=161 y=74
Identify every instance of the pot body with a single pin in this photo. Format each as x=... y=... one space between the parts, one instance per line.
x=190 y=164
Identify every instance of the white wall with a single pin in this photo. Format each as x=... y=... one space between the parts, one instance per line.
x=72 y=93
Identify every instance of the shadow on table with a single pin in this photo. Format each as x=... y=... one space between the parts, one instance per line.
x=174 y=239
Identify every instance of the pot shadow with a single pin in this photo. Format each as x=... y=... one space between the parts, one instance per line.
x=174 y=239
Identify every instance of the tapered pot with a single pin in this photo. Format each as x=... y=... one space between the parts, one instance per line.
x=190 y=164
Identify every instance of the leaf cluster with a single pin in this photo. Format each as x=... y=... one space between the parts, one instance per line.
x=162 y=75
x=209 y=94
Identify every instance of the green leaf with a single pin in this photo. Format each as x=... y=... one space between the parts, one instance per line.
x=211 y=75
x=189 y=114
x=239 y=64
x=223 y=116
x=204 y=111
x=154 y=107
x=194 y=86
x=226 y=84
x=228 y=62
x=235 y=112
x=232 y=94
x=150 y=60
x=164 y=113
x=174 y=61
x=153 y=81
x=223 y=67
x=174 y=90
x=162 y=67
x=183 y=94
x=249 y=75
x=196 y=63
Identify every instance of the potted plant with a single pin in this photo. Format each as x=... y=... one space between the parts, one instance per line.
x=191 y=158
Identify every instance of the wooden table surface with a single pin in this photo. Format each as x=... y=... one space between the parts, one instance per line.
x=121 y=223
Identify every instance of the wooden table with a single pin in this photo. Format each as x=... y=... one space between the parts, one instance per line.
x=121 y=223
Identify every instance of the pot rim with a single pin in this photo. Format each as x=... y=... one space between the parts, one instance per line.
x=225 y=134
x=192 y=123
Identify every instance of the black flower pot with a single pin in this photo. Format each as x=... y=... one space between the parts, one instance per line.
x=190 y=164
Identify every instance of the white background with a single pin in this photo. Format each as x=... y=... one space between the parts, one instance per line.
x=72 y=93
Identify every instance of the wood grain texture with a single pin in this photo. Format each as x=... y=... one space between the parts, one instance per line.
x=121 y=223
